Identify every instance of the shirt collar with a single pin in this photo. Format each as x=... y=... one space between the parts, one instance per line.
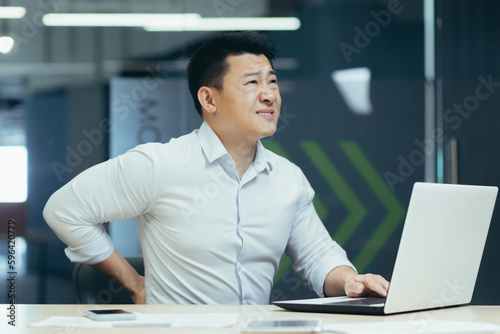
x=262 y=160
x=214 y=149
x=210 y=143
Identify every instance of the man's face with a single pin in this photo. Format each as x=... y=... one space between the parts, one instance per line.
x=248 y=106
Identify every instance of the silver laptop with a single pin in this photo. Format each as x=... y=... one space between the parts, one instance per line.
x=438 y=257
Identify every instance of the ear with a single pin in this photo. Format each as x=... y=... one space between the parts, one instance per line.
x=206 y=98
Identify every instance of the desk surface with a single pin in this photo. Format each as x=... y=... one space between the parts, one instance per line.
x=27 y=314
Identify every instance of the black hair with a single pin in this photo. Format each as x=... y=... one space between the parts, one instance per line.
x=208 y=66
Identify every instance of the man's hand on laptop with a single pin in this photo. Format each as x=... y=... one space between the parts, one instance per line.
x=367 y=285
x=345 y=281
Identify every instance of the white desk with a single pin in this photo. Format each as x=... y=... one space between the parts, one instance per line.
x=27 y=314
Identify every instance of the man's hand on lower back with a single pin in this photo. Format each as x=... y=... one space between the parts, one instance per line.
x=139 y=294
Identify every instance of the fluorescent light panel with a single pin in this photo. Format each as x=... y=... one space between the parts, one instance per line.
x=12 y=12
x=171 y=22
x=116 y=20
x=232 y=23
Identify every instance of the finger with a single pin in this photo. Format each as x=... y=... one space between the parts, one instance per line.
x=381 y=290
x=374 y=283
x=354 y=289
x=383 y=286
x=381 y=280
x=386 y=284
x=358 y=288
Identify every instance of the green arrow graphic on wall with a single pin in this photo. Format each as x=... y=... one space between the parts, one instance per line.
x=395 y=211
x=356 y=210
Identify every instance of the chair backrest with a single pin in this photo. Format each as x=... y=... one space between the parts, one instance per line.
x=93 y=287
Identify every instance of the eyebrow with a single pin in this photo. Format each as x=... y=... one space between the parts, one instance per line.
x=249 y=74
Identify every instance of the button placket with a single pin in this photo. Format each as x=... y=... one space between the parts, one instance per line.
x=239 y=270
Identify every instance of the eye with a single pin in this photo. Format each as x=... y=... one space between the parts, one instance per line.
x=252 y=82
x=274 y=81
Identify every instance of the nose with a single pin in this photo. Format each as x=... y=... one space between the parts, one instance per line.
x=268 y=95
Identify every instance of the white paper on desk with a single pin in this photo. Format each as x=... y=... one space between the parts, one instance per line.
x=147 y=320
x=410 y=327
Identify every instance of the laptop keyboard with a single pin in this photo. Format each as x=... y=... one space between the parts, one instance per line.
x=370 y=301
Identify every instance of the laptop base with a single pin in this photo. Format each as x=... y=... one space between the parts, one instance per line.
x=332 y=308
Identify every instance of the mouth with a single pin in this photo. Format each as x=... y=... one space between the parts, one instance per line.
x=268 y=114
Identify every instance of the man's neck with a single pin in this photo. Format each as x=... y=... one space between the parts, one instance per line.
x=242 y=149
x=242 y=152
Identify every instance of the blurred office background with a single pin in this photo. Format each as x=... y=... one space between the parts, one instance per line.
x=377 y=94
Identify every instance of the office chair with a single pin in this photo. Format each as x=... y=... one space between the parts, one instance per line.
x=93 y=287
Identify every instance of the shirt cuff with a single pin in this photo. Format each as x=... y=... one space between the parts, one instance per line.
x=95 y=252
x=323 y=268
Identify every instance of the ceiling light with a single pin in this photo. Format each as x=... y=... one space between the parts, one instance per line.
x=232 y=23
x=12 y=12
x=6 y=44
x=116 y=20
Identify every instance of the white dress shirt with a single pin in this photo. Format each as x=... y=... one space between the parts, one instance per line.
x=207 y=237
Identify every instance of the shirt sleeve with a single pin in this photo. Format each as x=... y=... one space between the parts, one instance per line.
x=118 y=189
x=310 y=246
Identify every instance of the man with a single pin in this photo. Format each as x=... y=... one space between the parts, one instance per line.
x=223 y=247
